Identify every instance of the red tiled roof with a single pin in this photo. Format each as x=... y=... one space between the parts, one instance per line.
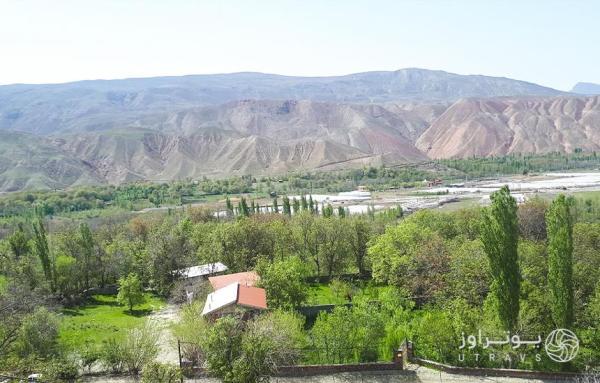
x=254 y=297
x=248 y=278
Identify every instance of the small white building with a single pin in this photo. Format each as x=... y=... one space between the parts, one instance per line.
x=201 y=271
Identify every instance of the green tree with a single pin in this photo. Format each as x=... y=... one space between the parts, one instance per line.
x=86 y=243
x=412 y=257
x=303 y=202
x=221 y=346
x=296 y=205
x=38 y=334
x=284 y=282
x=66 y=276
x=499 y=234
x=359 y=239
x=243 y=207
x=42 y=250
x=560 y=261
x=19 y=244
x=287 y=210
x=229 y=205
x=130 y=291
x=275 y=205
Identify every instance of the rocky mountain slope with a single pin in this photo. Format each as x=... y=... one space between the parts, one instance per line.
x=55 y=136
x=247 y=137
x=486 y=127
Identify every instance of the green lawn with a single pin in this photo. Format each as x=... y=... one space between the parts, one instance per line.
x=322 y=294
x=102 y=318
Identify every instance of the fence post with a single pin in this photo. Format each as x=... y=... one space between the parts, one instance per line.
x=180 y=361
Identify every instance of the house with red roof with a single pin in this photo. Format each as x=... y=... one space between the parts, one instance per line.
x=248 y=278
x=234 y=298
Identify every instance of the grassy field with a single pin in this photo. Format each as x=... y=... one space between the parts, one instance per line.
x=102 y=318
x=328 y=294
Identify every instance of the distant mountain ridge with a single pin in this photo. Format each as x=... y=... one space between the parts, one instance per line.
x=587 y=88
x=105 y=104
x=56 y=136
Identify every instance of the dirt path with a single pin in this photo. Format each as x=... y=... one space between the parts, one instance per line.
x=163 y=319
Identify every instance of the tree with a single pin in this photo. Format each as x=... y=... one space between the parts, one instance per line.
x=66 y=276
x=560 y=261
x=287 y=210
x=243 y=207
x=499 y=234
x=130 y=291
x=19 y=244
x=246 y=353
x=38 y=334
x=284 y=282
x=222 y=344
x=86 y=243
x=275 y=205
x=361 y=234
x=17 y=301
x=532 y=224
x=296 y=205
x=412 y=257
x=42 y=250
x=229 y=205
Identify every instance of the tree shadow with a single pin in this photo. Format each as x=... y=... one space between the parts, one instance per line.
x=71 y=312
x=138 y=313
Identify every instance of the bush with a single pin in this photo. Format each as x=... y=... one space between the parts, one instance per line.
x=160 y=373
x=38 y=334
x=140 y=347
x=111 y=356
x=88 y=357
x=62 y=370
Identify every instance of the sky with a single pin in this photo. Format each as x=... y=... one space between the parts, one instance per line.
x=552 y=43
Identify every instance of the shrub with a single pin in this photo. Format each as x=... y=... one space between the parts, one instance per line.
x=111 y=355
x=160 y=373
x=140 y=347
x=38 y=334
x=62 y=370
x=88 y=357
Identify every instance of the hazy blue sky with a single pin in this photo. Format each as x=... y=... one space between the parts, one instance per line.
x=554 y=43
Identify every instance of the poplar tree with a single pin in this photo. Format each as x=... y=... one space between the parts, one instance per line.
x=296 y=205
x=304 y=203
x=275 y=205
x=286 y=206
x=559 y=227
x=42 y=250
x=243 y=207
x=229 y=205
x=86 y=242
x=499 y=234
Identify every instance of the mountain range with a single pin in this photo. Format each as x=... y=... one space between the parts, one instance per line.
x=165 y=128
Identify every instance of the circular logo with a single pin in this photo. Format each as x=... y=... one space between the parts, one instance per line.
x=562 y=345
